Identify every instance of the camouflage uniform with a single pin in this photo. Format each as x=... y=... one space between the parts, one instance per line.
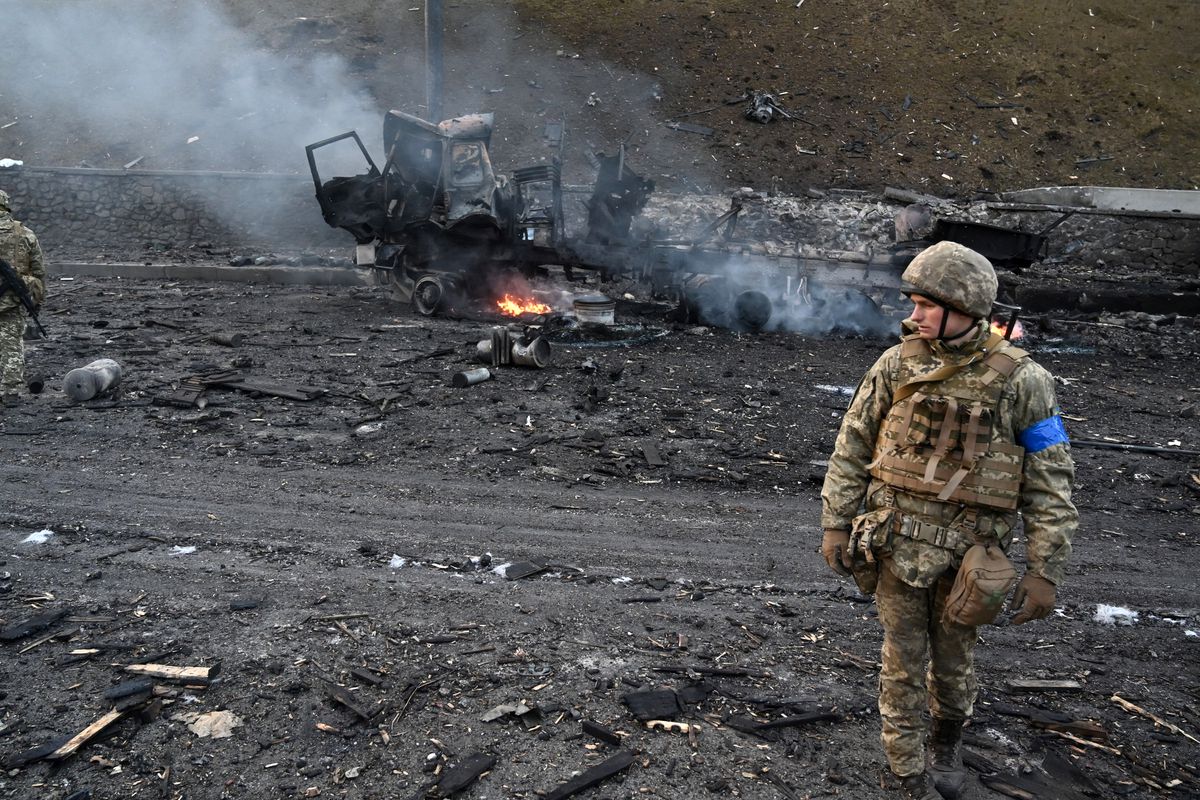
x=19 y=247
x=915 y=576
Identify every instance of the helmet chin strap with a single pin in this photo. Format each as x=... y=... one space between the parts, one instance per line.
x=945 y=318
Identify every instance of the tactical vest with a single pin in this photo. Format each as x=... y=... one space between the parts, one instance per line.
x=940 y=440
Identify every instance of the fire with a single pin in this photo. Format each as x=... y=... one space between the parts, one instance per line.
x=516 y=306
x=1002 y=327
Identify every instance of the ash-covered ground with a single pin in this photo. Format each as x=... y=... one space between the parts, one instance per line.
x=661 y=499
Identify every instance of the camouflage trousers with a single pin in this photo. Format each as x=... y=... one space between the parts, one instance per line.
x=12 y=351
x=926 y=666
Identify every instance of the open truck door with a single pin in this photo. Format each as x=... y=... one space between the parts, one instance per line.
x=353 y=203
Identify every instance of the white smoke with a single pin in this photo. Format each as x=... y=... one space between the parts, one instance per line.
x=748 y=298
x=179 y=82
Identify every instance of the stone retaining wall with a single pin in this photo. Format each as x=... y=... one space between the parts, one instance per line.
x=73 y=208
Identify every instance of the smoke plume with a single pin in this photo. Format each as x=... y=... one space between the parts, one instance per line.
x=176 y=82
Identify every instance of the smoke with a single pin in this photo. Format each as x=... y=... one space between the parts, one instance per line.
x=741 y=297
x=178 y=84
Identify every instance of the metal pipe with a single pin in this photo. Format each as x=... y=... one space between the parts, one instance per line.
x=531 y=354
x=470 y=377
x=434 y=27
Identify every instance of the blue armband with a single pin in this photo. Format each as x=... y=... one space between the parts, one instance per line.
x=1040 y=435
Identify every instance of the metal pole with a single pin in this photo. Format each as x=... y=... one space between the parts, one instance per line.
x=433 y=60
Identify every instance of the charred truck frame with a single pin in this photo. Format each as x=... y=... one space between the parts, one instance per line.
x=439 y=224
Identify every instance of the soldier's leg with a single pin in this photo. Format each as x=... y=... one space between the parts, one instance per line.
x=952 y=686
x=952 y=690
x=903 y=698
x=12 y=352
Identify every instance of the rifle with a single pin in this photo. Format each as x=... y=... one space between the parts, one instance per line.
x=11 y=281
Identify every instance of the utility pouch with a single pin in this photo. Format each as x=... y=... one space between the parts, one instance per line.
x=870 y=539
x=983 y=582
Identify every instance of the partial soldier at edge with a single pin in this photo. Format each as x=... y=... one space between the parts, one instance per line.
x=20 y=248
x=950 y=434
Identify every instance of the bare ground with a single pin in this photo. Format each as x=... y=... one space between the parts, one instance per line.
x=353 y=547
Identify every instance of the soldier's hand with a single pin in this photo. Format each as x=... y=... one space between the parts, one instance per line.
x=835 y=546
x=1033 y=599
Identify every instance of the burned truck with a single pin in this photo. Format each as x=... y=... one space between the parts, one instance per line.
x=440 y=225
x=437 y=221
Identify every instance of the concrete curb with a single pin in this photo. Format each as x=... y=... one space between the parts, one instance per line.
x=274 y=275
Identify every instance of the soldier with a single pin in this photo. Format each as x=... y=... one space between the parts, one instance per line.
x=950 y=434
x=20 y=248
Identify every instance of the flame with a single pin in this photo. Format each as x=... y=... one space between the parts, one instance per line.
x=1002 y=327
x=516 y=306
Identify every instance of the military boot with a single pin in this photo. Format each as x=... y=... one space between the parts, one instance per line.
x=919 y=787
x=945 y=760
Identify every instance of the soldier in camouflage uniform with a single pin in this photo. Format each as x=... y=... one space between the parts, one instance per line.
x=20 y=248
x=950 y=434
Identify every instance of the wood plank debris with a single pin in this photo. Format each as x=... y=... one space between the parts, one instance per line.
x=656 y=704
x=672 y=727
x=84 y=736
x=758 y=727
x=259 y=386
x=652 y=455
x=37 y=753
x=1016 y=685
x=600 y=732
x=458 y=777
x=32 y=625
x=345 y=697
x=166 y=672
x=1172 y=727
x=726 y=672
x=366 y=676
x=594 y=776
x=131 y=687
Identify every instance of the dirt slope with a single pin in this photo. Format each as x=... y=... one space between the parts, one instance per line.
x=881 y=93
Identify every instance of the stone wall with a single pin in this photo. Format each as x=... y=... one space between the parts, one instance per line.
x=72 y=209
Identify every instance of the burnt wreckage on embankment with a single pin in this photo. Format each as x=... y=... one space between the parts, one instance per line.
x=441 y=226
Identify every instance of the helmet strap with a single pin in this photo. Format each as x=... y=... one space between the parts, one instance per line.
x=945 y=318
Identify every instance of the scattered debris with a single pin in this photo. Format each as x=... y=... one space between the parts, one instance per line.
x=593 y=777
x=687 y=127
x=211 y=724
x=1017 y=685
x=187 y=675
x=1115 y=615
x=460 y=776
x=32 y=625
x=1172 y=727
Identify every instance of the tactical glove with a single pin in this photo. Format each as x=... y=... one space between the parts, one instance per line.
x=1033 y=599
x=835 y=546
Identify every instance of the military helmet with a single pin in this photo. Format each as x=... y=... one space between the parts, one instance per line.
x=955 y=276
x=5 y=203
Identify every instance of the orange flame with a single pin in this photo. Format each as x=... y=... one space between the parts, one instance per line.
x=516 y=306
x=1002 y=327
